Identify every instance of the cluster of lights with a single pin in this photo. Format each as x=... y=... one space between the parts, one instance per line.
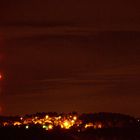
x=49 y=123
x=91 y=125
x=46 y=122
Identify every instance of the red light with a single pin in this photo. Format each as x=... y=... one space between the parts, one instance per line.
x=0 y=76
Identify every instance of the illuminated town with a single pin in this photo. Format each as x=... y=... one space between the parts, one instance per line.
x=49 y=123
x=67 y=121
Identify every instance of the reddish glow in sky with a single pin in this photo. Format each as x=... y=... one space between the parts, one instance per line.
x=0 y=76
x=75 y=55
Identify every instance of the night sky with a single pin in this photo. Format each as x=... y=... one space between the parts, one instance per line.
x=69 y=55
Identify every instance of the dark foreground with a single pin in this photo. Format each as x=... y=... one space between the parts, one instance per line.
x=39 y=134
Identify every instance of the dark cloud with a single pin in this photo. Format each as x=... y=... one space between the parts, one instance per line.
x=96 y=14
